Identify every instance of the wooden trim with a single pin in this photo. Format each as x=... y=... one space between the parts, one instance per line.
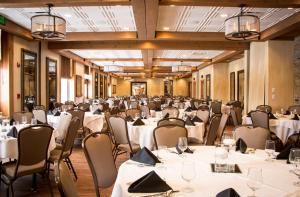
x=39 y=88
x=238 y=80
x=199 y=36
x=220 y=58
x=16 y=29
x=23 y=51
x=232 y=74
x=181 y=60
x=116 y=59
x=208 y=93
x=235 y=3
x=47 y=81
x=96 y=36
x=154 y=44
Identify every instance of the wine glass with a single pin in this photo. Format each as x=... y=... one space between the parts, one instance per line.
x=270 y=149
x=182 y=144
x=188 y=173
x=254 y=179
x=294 y=153
x=24 y=120
x=296 y=170
x=143 y=115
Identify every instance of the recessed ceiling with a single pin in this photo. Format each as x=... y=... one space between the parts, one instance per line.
x=118 y=63
x=81 y=19
x=187 y=54
x=158 y=63
x=88 y=54
x=211 y=19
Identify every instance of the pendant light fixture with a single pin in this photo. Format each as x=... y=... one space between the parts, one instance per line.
x=46 y=26
x=244 y=26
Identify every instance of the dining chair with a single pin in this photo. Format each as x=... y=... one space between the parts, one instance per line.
x=293 y=140
x=293 y=108
x=66 y=107
x=120 y=137
x=171 y=121
x=203 y=115
x=40 y=115
x=40 y=107
x=216 y=107
x=203 y=107
x=260 y=119
x=62 y=125
x=172 y=111
x=69 y=102
x=222 y=126
x=168 y=135
x=17 y=116
x=133 y=105
x=64 y=181
x=114 y=110
x=151 y=105
x=80 y=114
x=213 y=129
x=64 y=151
x=102 y=165
x=32 y=157
x=253 y=137
x=236 y=116
x=145 y=109
x=133 y=112
x=84 y=106
x=264 y=108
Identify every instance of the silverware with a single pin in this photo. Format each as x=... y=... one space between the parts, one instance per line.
x=165 y=194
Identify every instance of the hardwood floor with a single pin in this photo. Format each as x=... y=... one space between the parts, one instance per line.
x=85 y=184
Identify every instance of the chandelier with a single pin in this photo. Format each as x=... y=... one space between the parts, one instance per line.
x=181 y=68
x=244 y=26
x=46 y=26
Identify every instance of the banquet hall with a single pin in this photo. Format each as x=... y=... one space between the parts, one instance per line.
x=141 y=98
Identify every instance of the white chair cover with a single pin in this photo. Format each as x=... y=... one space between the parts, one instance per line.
x=40 y=115
x=63 y=124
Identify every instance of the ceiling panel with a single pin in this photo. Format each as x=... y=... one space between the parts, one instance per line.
x=81 y=19
x=211 y=19
x=108 y=53
x=187 y=54
x=177 y=63
x=107 y=63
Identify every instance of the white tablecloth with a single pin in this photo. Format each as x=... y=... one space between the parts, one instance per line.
x=283 y=127
x=9 y=146
x=182 y=113
x=92 y=121
x=277 y=180
x=143 y=135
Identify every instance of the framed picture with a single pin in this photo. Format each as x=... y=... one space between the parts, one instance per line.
x=78 y=85
x=138 y=88
x=232 y=86
x=208 y=86
x=114 y=89
x=240 y=85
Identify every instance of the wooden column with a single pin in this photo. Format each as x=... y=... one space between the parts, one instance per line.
x=6 y=74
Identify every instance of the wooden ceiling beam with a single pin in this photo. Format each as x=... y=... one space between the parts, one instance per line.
x=13 y=28
x=96 y=36
x=60 y=3
x=234 y=3
x=73 y=56
x=199 y=36
x=287 y=25
x=154 y=44
x=181 y=60
x=116 y=59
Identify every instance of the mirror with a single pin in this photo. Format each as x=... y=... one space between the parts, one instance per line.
x=208 y=86
x=168 y=88
x=78 y=85
x=232 y=86
x=28 y=80
x=51 y=75
x=138 y=88
x=240 y=81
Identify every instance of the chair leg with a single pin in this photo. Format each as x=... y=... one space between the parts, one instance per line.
x=12 y=190
x=33 y=187
x=73 y=170
x=49 y=185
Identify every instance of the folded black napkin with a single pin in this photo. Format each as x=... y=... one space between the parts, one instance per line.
x=171 y=103
x=284 y=154
x=189 y=109
x=98 y=111
x=197 y=119
x=295 y=117
x=149 y=183
x=157 y=109
x=188 y=150
x=129 y=119
x=11 y=122
x=230 y=192
x=57 y=113
x=145 y=156
x=13 y=132
x=40 y=122
x=166 y=116
x=138 y=122
x=189 y=122
x=287 y=112
x=241 y=145
x=193 y=107
x=271 y=116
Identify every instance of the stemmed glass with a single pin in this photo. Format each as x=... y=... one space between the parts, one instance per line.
x=294 y=153
x=24 y=120
x=182 y=144
x=296 y=170
x=254 y=179
x=188 y=173
x=270 y=149
x=143 y=115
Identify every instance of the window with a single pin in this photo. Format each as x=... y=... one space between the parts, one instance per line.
x=65 y=88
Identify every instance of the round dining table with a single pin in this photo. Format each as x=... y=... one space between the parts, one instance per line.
x=283 y=126
x=143 y=135
x=277 y=180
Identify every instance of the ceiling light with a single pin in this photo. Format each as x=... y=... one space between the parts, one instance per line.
x=47 y=26
x=172 y=5
x=242 y=27
x=224 y=15
x=166 y=28
x=290 y=8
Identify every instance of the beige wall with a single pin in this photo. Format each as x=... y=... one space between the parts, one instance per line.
x=234 y=66
x=114 y=81
x=154 y=87
x=220 y=82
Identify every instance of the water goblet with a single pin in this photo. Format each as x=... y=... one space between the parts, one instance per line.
x=270 y=149
x=182 y=144
x=254 y=179
x=188 y=173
